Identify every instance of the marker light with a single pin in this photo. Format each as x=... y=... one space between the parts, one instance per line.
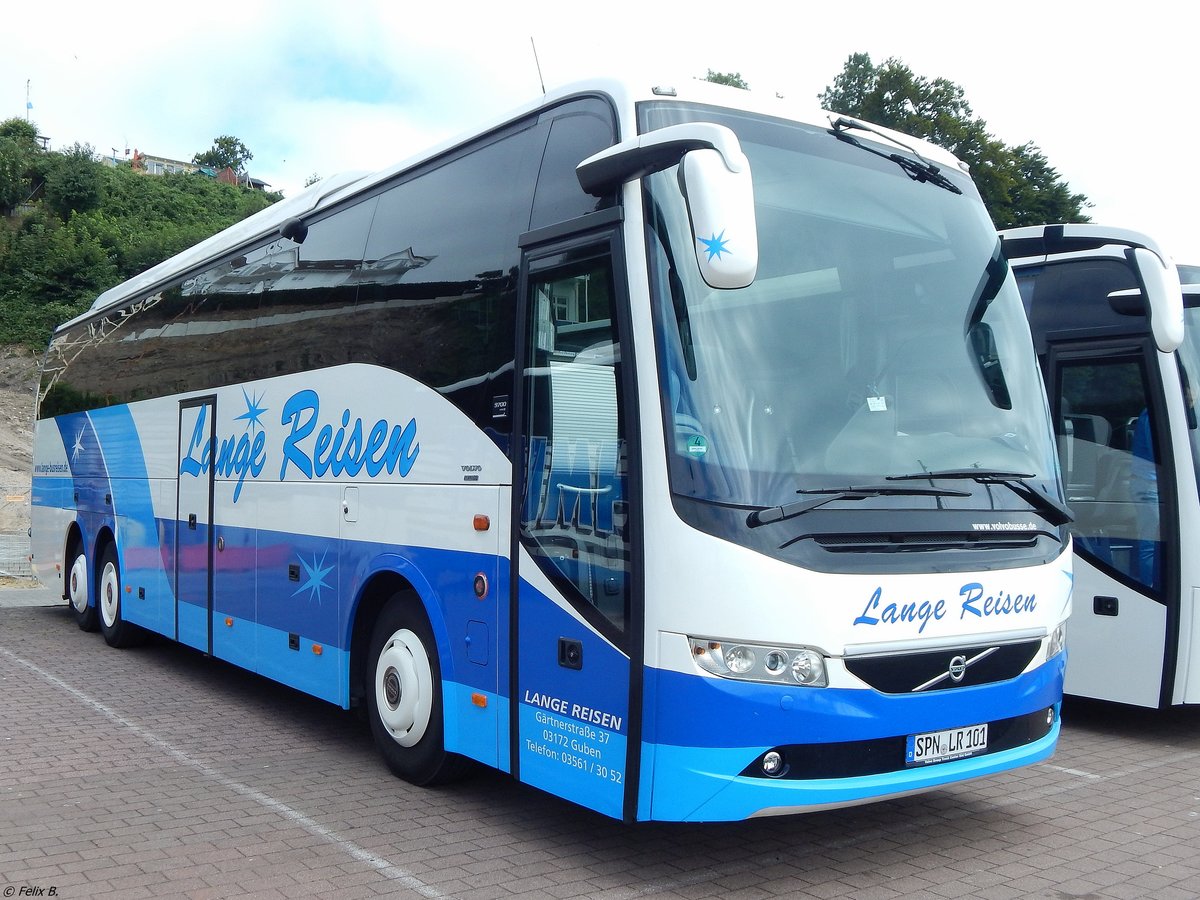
x=763 y=663
x=1057 y=641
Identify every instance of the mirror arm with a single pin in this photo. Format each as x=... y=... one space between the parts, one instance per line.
x=655 y=151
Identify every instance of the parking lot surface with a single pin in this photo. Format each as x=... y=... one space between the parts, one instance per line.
x=157 y=772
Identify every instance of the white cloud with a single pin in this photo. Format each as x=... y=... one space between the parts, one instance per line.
x=319 y=87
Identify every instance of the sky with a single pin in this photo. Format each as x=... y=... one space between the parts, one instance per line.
x=1106 y=90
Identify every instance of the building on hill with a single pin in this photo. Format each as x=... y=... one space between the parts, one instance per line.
x=162 y=165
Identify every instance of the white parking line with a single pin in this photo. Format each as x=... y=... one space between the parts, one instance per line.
x=388 y=869
x=1078 y=773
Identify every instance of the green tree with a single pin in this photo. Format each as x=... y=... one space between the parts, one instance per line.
x=23 y=132
x=225 y=151
x=733 y=79
x=74 y=182
x=49 y=271
x=1017 y=184
x=19 y=151
x=94 y=226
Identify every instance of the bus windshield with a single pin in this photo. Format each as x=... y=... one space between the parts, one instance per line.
x=1188 y=355
x=882 y=336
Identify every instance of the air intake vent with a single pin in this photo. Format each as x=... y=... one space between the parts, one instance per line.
x=925 y=541
x=903 y=673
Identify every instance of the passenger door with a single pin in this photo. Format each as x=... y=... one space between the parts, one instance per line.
x=1110 y=420
x=193 y=523
x=574 y=725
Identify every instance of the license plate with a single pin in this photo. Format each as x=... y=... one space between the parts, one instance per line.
x=939 y=746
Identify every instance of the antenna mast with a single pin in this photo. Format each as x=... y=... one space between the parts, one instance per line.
x=537 y=63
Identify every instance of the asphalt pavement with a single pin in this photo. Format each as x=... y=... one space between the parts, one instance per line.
x=160 y=772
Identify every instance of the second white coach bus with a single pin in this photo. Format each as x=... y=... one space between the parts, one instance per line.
x=1121 y=358
x=680 y=454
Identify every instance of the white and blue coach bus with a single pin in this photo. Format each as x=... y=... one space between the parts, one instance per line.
x=681 y=455
x=1119 y=341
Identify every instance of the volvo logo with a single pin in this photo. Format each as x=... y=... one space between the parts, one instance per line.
x=956 y=671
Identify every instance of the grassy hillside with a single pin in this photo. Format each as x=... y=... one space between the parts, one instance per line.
x=83 y=227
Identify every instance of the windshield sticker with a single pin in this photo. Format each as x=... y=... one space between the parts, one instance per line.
x=877 y=404
x=697 y=445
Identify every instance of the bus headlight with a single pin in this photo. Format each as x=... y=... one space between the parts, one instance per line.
x=763 y=663
x=1058 y=640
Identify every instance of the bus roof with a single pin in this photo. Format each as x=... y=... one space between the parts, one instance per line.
x=1042 y=241
x=623 y=94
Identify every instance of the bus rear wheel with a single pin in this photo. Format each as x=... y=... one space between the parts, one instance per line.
x=77 y=589
x=117 y=632
x=404 y=695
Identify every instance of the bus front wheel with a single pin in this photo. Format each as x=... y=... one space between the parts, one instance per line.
x=404 y=697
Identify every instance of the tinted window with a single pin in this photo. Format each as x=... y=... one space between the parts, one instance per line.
x=437 y=293
x=1074 y=295
x=575 y=512
x=1108 y=449
x=576 y=132
x=265 y=312
x=420 y=278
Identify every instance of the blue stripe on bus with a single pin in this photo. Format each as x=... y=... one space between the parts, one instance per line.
x=478 y=731
x=702 y=785
x=701 y=732
x=754 y=714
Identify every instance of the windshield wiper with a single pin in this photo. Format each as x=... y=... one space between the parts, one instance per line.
x=770 y=514
x=919 y=169
x=1053 y=511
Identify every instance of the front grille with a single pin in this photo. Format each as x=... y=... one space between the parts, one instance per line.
x=902 y=673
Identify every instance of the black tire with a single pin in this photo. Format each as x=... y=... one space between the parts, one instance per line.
x=117 y=632
x=78 y=588
x=404 y=696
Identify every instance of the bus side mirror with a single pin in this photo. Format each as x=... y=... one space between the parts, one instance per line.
x=720 y=204
x=717 y=185
x=1164 y=298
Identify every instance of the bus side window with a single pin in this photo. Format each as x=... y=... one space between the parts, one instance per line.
x=577 y=130
x=575 y=514
x=1112 y=473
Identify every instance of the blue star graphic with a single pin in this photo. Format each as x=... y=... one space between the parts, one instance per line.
x=77 y=448
x=715 y=245
x=315 y=575
x=253 y=413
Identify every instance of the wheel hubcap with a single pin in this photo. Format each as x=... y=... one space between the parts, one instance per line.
x=109 y=597
x=404 y=688
x=79 y=597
